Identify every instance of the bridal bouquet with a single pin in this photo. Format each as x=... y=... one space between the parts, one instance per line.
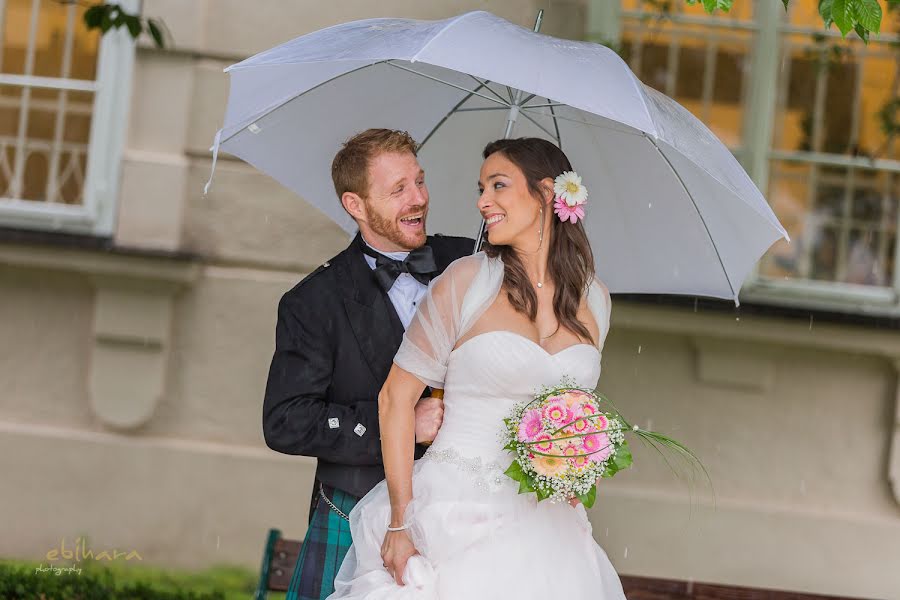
x=563 y=442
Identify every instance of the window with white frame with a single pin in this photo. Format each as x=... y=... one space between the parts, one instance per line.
x=63 y=105
x=801 y=109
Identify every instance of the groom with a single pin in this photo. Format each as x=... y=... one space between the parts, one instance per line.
x=335 y=340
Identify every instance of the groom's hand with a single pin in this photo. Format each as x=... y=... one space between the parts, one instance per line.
x=429 y=416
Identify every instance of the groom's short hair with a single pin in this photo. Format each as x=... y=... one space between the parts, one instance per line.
x=350 y=167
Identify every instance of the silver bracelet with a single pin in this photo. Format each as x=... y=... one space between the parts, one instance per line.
x=401 y=528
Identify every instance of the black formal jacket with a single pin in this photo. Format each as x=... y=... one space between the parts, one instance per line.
x=335 y=340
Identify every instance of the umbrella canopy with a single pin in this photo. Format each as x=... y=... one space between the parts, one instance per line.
x=670 y=210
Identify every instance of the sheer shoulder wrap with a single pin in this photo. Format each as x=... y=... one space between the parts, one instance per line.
x=454 y=301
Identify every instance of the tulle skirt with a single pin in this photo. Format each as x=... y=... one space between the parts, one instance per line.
x=476 y=538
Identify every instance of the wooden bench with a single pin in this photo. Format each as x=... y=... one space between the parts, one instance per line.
x=278 y=562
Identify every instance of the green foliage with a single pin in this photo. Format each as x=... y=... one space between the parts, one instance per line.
x=889 y=115
x=109 y=15
x=862 y=16
x=621 y=460
x=589 y=498
x=712 y=6
x=21 y=582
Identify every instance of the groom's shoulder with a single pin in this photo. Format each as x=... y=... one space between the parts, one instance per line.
x=451 y=246
x=322 y=279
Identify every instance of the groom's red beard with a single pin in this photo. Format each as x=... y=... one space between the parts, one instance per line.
x=391 y=229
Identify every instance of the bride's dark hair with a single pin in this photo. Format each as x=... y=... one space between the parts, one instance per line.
x=570 y=263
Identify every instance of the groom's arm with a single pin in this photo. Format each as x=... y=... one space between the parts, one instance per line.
x=297 y=418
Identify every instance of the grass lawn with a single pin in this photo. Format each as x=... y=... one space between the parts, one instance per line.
x=236 y=583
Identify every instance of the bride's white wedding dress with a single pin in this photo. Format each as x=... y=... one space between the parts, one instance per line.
x=476 y=536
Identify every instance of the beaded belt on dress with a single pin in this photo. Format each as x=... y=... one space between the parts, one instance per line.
x=488 y=473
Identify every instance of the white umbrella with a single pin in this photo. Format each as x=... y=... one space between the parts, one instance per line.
x=670 y=210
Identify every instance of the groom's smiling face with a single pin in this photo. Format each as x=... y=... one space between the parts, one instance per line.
x=396 y=206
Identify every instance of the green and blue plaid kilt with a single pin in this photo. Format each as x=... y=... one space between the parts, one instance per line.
x=324 y=547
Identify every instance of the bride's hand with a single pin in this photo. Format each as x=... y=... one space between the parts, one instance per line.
x=395 y=552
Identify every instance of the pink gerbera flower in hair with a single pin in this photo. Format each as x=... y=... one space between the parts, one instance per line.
x=566 y=212
x=571 y=196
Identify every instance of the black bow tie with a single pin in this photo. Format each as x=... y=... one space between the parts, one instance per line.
x=419 y=263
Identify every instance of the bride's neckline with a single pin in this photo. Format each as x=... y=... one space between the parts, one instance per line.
x=527 y=339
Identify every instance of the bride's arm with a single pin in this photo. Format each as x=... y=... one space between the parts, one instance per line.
x=396 y=418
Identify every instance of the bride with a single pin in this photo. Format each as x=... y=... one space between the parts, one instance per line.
x=492 y=330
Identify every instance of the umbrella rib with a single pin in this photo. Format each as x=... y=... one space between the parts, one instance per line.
x=486 y=86
x=555 y=125
x=447 y=116
x=544 y=129
x=549 y=105
x=447 y=83
x=589 y=124
x=699 y=214
x=481 y=108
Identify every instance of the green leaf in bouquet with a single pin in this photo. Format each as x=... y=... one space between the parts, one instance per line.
x=589 y=498
x=525 y=485
x=514 y=470
x=622 y=458
x=516 y=473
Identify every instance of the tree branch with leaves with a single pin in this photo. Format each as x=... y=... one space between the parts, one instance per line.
x=106 y=16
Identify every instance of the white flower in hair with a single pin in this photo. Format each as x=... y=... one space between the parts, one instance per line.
x=568 y=188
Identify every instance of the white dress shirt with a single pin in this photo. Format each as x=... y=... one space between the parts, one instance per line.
x=406 y=293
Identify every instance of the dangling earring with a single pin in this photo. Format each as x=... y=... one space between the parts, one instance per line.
x=541 y=242
x=540 y=284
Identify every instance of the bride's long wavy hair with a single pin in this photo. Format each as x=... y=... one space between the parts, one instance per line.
x=570 y=262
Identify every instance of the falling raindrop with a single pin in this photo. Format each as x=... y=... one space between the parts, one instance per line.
x=810 y=322
x=639 y=348
x=626 y=552
x=649 y=205
x=607 y=532
x=218 y=539
x=695 y=304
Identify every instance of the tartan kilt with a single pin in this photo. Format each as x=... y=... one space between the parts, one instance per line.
x=324 y=547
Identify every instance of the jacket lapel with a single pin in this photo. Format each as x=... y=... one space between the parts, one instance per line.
x=374 y=321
